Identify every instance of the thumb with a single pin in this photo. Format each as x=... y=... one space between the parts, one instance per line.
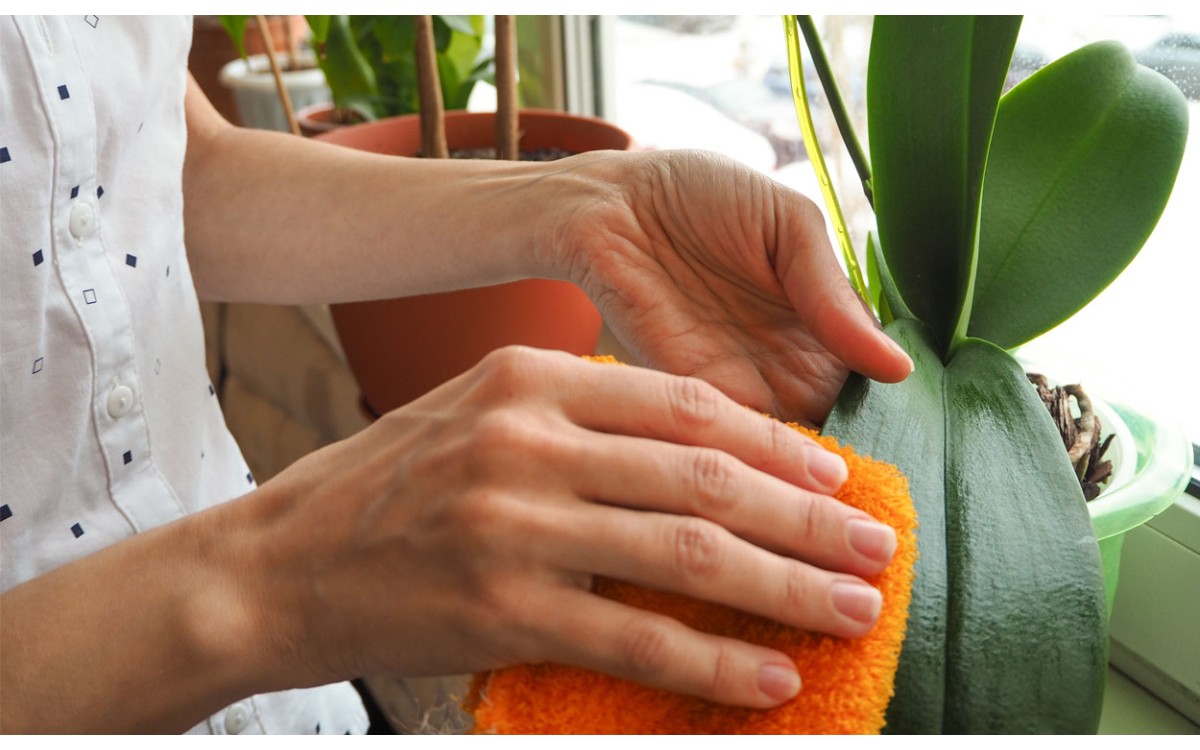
x=823 y=299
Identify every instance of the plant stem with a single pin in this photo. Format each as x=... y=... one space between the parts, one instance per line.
x=285 y=98
x=506 y=88
x=840 y=114
x=429 y=92
x=804 y=115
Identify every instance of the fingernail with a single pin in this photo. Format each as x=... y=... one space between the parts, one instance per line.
x=827 y=468
x=871 y=539
x=779 y=682
x=858 y=601
x=894 y=346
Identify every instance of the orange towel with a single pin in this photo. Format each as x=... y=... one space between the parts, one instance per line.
x=846 y=683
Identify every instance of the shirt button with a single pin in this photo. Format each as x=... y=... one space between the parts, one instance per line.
x=120 y=401
x=237 y=717
x=83 y=219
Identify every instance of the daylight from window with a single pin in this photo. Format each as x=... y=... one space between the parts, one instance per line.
x=721 y=83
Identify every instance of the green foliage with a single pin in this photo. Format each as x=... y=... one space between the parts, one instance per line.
x=1083 y=160
x=370 y=64
x=937 y=83
x=998 y=218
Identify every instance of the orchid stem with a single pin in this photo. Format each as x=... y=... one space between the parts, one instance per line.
x=840 y=114
x=804 y=115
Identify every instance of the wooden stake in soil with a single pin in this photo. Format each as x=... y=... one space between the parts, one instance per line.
x=506 y=88
x=429 y=91
x=284 y=98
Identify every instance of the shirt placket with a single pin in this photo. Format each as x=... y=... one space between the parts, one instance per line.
x=88 y=278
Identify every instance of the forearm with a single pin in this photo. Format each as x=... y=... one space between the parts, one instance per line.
x=150 y=635
x=355 y=225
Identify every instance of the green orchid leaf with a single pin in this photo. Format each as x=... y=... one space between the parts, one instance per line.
x=1083 y=159
x=933 y=86
x=904 y=424
x=319 y=26
x=889 y=295
x=874 y=292
x=1009 y=571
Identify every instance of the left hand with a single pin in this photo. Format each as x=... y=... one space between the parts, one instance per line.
x=706 y=268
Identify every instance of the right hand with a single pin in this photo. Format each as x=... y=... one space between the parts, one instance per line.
x=461 y=533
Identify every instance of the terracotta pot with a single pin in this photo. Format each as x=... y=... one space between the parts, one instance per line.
x=400 y=349
x=317 y=118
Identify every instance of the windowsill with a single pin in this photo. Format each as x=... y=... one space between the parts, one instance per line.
x=1130 y=709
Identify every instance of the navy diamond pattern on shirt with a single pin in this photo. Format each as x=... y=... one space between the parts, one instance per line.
x=5 y=512
x=75 y=192
x=127 y=457
x=131 y=260
x=91 y=20
x=63 y=93
x=100 y=192
x=77 y=530
x=37 y=364
x=4 y=155
x=249 y=478
x=89 y=296
x=38 y=258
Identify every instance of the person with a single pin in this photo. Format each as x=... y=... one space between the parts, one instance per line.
x=150 y=585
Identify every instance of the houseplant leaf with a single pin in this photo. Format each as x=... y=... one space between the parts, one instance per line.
x=347 y=70
x=1056 y=229
x=932 y=90
x=1007 y=624
x=235 y=26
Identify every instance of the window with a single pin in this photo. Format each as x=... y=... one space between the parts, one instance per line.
x=721 y=83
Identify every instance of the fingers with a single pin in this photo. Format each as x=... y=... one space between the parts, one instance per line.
x=658 y=651
x=644 y=403
x=824 y=299
x=767 y=511
x=700 y=559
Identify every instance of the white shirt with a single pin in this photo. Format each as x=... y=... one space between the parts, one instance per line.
x=109 y=423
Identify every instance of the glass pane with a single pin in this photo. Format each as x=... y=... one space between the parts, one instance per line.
x=721 y=83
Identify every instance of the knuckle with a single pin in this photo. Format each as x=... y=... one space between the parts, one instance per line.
x=645 y=647
x=709 y=480
x=698 y=548
x=798 y=590
x=693 y=403
x=509 y=370
x=808 y=523
x=507 y=438
x=479 y=514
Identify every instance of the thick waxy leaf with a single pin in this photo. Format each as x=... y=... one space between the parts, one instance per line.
x=1007 y=627
x=1083 y=159
x=884 y=293
x=932 y=91
x=1027 y=585
x=904 y=425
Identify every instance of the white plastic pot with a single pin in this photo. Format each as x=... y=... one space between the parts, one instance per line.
x=256 y=96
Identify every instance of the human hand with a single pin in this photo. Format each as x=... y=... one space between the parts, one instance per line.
x=704 y=267
x=461 y=533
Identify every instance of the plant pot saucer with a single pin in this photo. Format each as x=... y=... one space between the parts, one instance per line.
x=1151 y=454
